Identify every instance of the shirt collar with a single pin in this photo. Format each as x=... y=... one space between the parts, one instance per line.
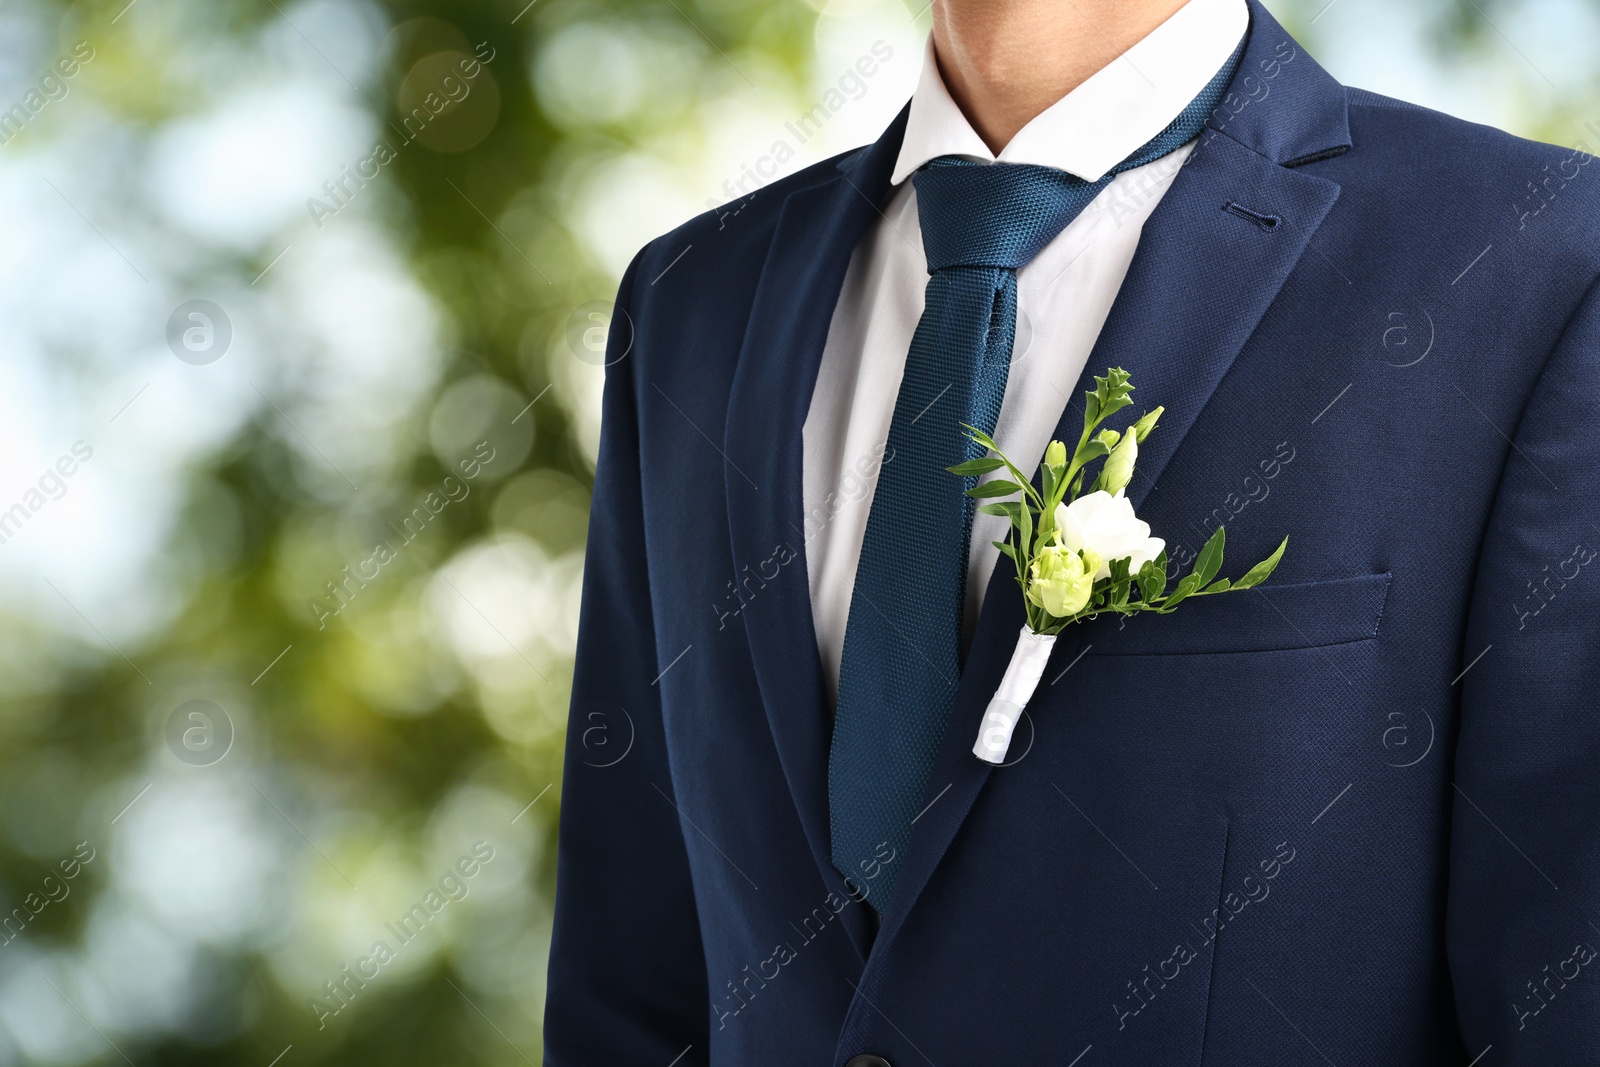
x=1102 y=121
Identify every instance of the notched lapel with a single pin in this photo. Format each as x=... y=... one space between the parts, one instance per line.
x=816 y=233
x=1200 y=282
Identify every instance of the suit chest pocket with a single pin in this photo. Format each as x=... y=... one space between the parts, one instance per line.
x=1266 y=618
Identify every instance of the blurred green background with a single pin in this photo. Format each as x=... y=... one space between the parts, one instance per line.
x=300 y=343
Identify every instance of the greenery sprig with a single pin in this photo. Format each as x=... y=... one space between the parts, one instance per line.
x=1079 y=553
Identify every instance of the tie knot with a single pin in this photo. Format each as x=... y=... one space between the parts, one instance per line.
x=996 y=214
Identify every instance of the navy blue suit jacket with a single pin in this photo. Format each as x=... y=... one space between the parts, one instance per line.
x=1350 y=818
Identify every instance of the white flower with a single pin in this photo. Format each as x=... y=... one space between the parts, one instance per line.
x=1107 y=526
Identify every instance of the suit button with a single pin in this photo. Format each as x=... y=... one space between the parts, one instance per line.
x=868 y=1060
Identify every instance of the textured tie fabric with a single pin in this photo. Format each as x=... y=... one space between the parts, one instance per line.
x=902 y=650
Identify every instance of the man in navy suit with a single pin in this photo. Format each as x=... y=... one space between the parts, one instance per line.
x=1350 y=817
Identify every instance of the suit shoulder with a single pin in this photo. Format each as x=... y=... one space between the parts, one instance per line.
x=1384 y=118
x=1406 y=132
x=741 y=227
x=1438 y=167
x=693 y=288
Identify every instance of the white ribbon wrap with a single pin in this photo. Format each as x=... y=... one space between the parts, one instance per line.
x=1016 y=689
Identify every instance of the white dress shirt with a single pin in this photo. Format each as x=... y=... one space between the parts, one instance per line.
x=1063 y=296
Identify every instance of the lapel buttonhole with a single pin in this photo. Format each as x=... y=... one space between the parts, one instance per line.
x=1265 y=221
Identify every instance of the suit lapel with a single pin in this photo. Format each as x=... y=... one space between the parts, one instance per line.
x=1177 y=325
x=1178 y=322
x=817 y=230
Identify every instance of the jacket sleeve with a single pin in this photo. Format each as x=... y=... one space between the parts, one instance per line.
x=627 y=979
x=1524 y=889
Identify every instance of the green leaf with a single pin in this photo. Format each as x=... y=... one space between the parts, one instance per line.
x=982 y=438
x=998 y=487
x=1119 y=583
x=982 y=465
x=1210 y=558
x=1008 y=550
x=1187 y=585
x=1221 y=585
x=1093 y=450
x=1024 y=522
x=1153 y=578
x=988 y=442
x=1008 y=508
x=1258 y=574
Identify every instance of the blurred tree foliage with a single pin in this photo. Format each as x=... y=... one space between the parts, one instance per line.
x=365 y=734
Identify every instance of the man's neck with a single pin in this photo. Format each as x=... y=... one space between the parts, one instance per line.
x=1005 y=61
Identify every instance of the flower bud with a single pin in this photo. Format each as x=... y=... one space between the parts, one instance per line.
x=1118 y=471
x=1091 y=562
x=1146 y=423
x=1055 y=455
x=1061 y=583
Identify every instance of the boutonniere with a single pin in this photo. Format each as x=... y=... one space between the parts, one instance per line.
x=1080 y=553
